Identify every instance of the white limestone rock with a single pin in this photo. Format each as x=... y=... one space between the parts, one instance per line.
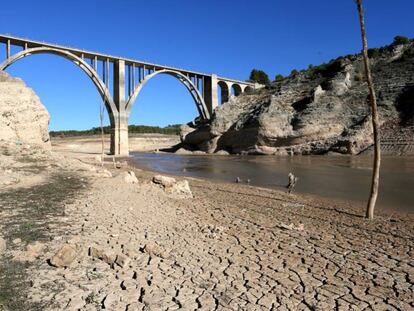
x=23 y=118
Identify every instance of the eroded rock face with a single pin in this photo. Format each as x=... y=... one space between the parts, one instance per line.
x=23 y=118
x=313 y=112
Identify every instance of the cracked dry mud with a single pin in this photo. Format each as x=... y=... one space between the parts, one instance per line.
x=229 y=248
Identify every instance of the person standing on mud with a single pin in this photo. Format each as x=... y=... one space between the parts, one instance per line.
x=292 y=182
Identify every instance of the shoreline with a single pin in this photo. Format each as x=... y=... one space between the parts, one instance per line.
x=224 y=178
x=356 y=207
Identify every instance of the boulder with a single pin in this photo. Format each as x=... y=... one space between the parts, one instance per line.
x=23 y=118
x=164 y=181
x=171 y=186
x=222 y=152
x=180 y=188
x=64 y=257
x=129 y=177
x=183 y=151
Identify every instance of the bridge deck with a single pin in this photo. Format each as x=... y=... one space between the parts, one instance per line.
x=104 y=57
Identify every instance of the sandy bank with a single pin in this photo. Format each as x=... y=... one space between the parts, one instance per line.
x=92 y=144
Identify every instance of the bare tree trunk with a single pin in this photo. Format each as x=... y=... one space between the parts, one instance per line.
x=101 y=117
x=375 y=119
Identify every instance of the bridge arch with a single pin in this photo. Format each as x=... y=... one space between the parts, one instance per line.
x=224 y=92
x=195 y=93
x=248 y=89
x=93 y=75
x=236 y=89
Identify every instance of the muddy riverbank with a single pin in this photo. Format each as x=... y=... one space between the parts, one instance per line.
x=345 y=178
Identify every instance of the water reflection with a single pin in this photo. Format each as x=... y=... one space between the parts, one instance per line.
x=343 y=177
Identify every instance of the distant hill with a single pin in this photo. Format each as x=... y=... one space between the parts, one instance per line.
x=173 y=129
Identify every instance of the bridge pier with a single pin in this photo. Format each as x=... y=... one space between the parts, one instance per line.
x=119 y=135
x=210 y=93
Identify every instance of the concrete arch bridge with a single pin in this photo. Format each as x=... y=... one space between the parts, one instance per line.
x=120 y=80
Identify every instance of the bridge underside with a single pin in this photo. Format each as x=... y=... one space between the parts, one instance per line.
x=129 y=76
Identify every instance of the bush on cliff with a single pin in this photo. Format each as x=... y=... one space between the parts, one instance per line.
x=400 y=40
x=279 y=78
x=259 y=76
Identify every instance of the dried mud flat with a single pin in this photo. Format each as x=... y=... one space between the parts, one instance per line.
x=230 y=247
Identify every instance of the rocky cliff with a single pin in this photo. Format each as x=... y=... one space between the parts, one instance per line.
x=319 y=110
x=23 y=118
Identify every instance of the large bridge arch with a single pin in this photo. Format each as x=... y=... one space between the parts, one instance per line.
x=92 y=74
x=186 y=81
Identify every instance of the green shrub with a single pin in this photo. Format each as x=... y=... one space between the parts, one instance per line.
x=359 y=77
x=259 y=76
x=329 y=70
x=400 y=40
x=294 y=72
x=279 y=77
x=373 y=53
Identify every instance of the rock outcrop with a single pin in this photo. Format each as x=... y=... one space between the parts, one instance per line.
x=23 y=118
x=315 y=111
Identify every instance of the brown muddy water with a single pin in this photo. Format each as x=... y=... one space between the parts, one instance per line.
x=338 y=177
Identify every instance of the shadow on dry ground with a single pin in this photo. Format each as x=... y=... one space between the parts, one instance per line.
x=29 y=214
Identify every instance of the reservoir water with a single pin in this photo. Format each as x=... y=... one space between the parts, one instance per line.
x=338 y=177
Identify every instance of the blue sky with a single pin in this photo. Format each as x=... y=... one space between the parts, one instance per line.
x=227 y=37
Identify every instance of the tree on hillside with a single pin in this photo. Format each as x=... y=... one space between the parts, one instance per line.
x=375 y=119
x=279 y=77
x=400 y=40
x=259 y=76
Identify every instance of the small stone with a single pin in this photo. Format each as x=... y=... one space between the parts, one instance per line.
x=75 y=303
x=17 y=241
x=96 y=252
x=64 y=257
x=135 y=306
x=128 y=285
x=109 y=257
x=154 y=250
x=34 y=249
x=2 y=245
x=110 y=300
x=122 y=260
